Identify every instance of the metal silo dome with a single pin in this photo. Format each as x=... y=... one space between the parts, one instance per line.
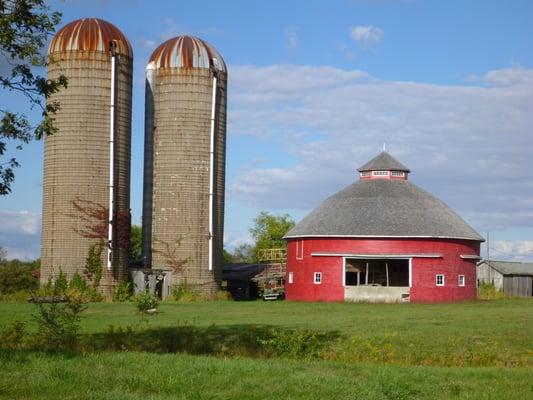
x=93 y=138
x=185 y=153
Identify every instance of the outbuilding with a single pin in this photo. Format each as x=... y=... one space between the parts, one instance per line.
x=382 y=239
x=513 y=278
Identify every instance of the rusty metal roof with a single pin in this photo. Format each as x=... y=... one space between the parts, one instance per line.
x=187 y=52
x=89 y=34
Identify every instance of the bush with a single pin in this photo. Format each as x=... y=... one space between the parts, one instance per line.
x=146 y=301
x=298 y=344
x=185 y=293
x=16 y=275
x=20 y=296
x=487 y=291
x=123 y=292
x=12 y=337
x=58 y=323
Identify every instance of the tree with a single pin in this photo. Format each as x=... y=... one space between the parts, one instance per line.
x=268 y=231
x=25 y=26
x=135 y=242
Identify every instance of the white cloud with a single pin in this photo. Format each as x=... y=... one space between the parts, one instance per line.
x=516 y=75
x=519 y=250
x=470 y=146
x=20 y=234
x=291 y=38
x=366 y=36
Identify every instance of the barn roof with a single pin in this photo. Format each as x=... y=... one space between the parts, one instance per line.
x=384 y=162
x=511 y=268
x=383 y=208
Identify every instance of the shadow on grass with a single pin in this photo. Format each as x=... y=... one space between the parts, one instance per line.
x=232 y=340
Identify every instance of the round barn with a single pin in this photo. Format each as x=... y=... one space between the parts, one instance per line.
x=382 y=239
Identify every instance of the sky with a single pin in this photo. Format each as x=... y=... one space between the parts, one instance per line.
x=315 y=90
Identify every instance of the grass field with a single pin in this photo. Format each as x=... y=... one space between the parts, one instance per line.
x=478 y=350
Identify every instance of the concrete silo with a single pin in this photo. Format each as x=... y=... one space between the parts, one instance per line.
x=185 y=152
x=93 y=138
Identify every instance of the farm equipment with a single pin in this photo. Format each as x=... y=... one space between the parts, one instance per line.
x=271 y=280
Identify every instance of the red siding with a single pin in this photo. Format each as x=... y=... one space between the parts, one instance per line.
x=423 y=270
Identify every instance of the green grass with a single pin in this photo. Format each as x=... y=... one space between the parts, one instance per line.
x=151 y=376
x=375 y=351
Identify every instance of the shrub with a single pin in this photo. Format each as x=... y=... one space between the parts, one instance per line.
x=20 y=296
x=185 y=293
x=123 y=291
x=58 y=323
x=12 y=337
x=487 y=291
x=298 y=344
x=93 y=264
x=146 y=301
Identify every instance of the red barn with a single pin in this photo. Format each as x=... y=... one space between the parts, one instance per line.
x=382 y=239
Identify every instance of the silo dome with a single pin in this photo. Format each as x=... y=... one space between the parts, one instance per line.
x=187 y=52
x=90 y=34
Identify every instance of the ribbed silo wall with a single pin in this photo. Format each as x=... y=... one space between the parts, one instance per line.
x=76 y=163
x=180 y=170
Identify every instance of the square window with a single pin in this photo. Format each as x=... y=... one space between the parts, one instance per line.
x=439 y=280
x=318 y=278
x=291 y=277
x=461 y=280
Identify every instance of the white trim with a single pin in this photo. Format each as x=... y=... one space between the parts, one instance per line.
x=378 y=256
x=344 y=271
x=319 y=275
x=212 y=172
x=410 y=272
x=437 y=280
x=111 y=162
x=290 y=277
x=470 y=257
x=460 y=282
x=302 y=249
x=380 y=173
x=318 y=236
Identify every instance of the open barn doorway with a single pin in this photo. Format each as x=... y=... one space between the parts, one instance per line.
x=376 y=280
x=376 y=272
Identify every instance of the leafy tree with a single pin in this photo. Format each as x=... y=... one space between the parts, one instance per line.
x=17 y=275
x=268 y=231
x=25 y=27
x=135 y=242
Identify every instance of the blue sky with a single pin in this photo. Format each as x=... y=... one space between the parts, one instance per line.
x=317 y=87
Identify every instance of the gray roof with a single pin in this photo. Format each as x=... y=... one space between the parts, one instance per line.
x=384 y=162
x=511 y=268
x=383 y=208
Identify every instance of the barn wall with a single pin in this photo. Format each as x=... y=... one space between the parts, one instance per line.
x=487 y=274
x=520 y=286
x=424 y=270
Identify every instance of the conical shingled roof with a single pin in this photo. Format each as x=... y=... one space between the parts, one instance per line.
x=384 y=208
x=384 y=162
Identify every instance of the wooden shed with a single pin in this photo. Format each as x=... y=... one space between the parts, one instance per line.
x=513 y=278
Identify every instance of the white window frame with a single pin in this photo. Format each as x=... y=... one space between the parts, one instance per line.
x=299 y=249
x=317 y=278
x=291 y=277
x=380 y=173
x=397 y=173
x=461 y=280
x=437 y=280
x=366 y=173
